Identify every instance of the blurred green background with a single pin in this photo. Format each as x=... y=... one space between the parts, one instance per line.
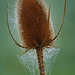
x=65 y=63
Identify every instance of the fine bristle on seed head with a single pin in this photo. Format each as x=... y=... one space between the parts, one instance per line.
x=33 y=22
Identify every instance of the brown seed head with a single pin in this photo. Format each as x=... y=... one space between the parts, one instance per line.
x=33 y=23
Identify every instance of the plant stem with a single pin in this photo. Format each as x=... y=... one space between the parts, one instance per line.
x=39 y=52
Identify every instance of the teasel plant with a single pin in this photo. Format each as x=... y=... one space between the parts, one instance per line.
x=34 y=28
